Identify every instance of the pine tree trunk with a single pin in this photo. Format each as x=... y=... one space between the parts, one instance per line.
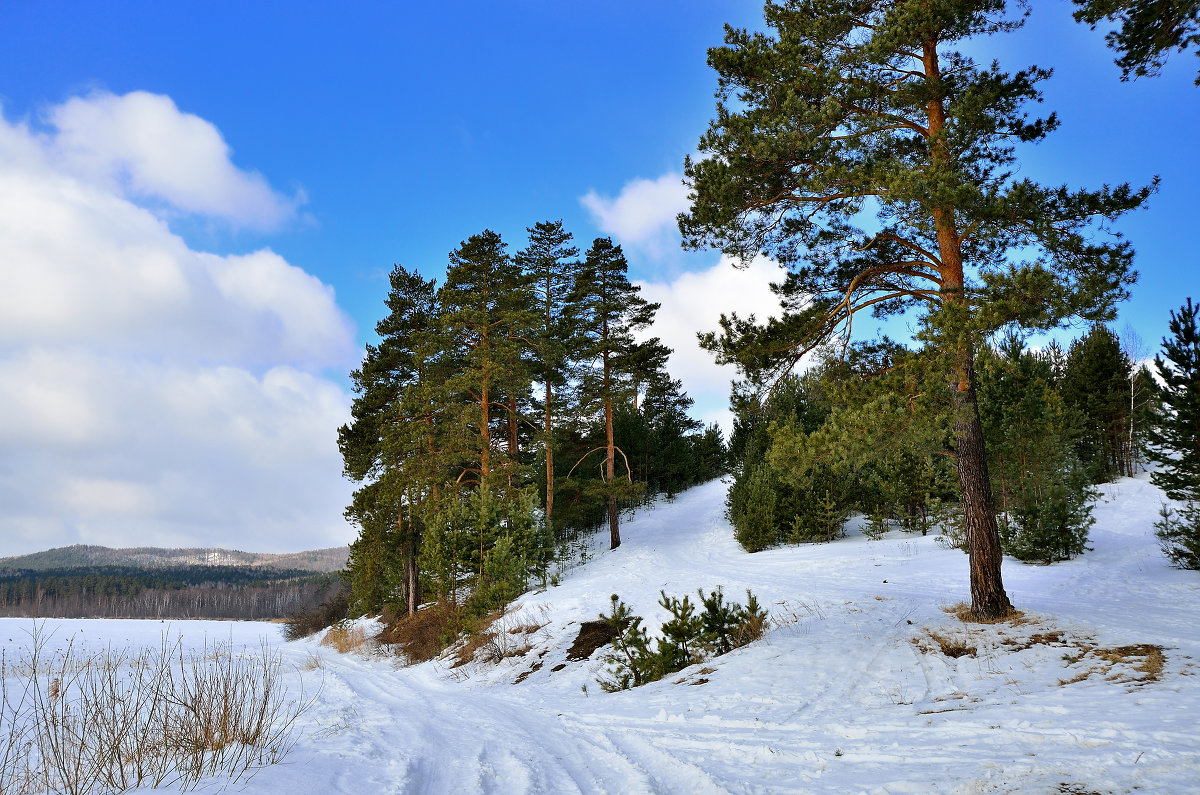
x=614 y=526
x=549 y=455
x=988 y=599
x=513 y=438
x=485 y=429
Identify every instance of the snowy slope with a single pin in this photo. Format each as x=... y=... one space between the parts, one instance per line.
x=848 y=693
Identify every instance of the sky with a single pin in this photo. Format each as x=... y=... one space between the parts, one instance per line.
x=200 y=202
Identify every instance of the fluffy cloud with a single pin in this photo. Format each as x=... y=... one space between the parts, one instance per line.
x=694 y=302
x=144 y=144
x=151 y=393
x=642 y=216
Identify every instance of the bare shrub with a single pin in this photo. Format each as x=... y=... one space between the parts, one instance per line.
x=115 y=720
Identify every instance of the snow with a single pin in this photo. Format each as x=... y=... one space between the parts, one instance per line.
x=849 y=691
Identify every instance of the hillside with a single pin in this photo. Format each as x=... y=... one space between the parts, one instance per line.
x=84 y=556
x=98 y=582
x=864 y=683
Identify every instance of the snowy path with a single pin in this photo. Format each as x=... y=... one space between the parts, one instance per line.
x=852 y=694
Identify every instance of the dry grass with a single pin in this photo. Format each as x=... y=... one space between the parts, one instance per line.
x=111 y=721
x=962 y=611
x=423 y=635
x=344 y=640
x=952 y=647
x=1135 y=665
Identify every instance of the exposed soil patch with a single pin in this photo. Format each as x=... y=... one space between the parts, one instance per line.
x=592 y=635
x=536 y=667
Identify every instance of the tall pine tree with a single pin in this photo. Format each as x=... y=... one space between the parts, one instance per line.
x=388 y=447
x=865 y=109
x=1096 y=384
x=549 y=264
x=610 y=310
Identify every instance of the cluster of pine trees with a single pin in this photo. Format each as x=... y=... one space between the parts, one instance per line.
x=868 y=430
x=501 y=413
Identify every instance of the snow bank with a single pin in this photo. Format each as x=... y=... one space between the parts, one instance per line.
x=851 y=691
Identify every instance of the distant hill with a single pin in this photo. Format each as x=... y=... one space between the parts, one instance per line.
x=83 y=556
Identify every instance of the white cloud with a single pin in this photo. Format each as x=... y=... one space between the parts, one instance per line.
x=83 y=263
x=694 y=302
x=150 y=393
x=145 y=144
x=642 y=216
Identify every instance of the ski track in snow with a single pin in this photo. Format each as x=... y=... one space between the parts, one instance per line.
x=847 y=693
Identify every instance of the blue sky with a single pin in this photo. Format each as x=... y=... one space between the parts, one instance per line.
x=188 y=392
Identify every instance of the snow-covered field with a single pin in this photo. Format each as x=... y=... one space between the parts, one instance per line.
x=849 y=692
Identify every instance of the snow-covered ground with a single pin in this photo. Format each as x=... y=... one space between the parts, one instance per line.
x=849 y=692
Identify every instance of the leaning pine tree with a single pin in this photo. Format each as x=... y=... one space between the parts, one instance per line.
x=857 y=147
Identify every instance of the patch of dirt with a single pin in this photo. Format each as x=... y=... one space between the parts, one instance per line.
x=592 y=635
x=558 y=667
x=536 y=667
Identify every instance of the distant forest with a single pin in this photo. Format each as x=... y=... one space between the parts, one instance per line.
x=214 y=592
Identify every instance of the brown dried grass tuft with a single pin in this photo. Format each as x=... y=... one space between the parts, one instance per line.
x=423 y=635
x=962 y=611
x=496 y=638
x=345 y=640
x=953 y=647
x=1142 y=664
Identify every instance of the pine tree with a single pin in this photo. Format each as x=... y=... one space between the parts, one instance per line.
x=1044 y=492
x=387 y=446
x=1147 y=30
x=485 y=302
x=863 y=107
x=549 y=264
x=1175 y=441
x=610 y=310
x=1096 y=384
x=485 y=520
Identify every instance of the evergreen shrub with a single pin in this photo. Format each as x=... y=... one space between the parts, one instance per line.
x=688 y=637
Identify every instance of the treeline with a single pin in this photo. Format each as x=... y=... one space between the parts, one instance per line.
x=223 y=592
x=869 y=430
x=502 y=413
